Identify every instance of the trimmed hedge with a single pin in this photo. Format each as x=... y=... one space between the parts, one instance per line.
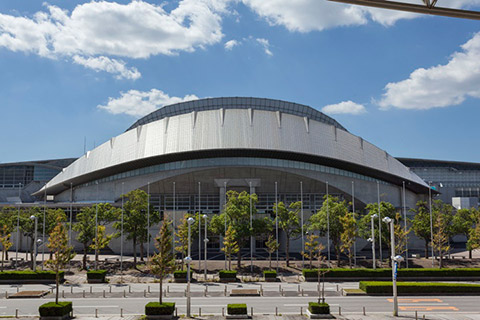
x=226 y=274
x=159 y=309
x=52 y=309
x=270 y=274
x=179 y=274
x=318 y=308
x=238 y=308
x=97 y=274
x=386 y=273
x=385 y=287
x=30 y=275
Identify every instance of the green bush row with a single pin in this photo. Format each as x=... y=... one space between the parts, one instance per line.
x=385 y=287
x=239 y=308
x=30 y=275
x=270 y=274
x=227 y=274
x=52 y=309
x=318 y=308
x=179 y=274
x=385 y=273
x=96 y=274
x=159 y=309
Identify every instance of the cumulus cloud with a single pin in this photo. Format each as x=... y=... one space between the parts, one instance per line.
x=230 y=44
x=439 y=86
x=266 y=46
x=100 y=29
x=109 y=65
x=344 y=107
x=139 y=103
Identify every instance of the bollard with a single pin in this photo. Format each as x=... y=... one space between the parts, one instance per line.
x=90 y=289
x=110 y=289
x=148 y=289
x=63 y=294
x=176 y=312
x=144 y=293
x=276 y=311
x=18 y=289
x=302 y=292
x=199 y=312
x=223 y=312
x=165 y=293
x=337 y=287
x=71 y=289
x=130 y=289
x=104 y=293
x=225 y=291
x=251 y=311
x=279 y=288
x=16 y=313
x=301 y=311
x=364 y=311
x=121 y=313
x=298 y=288
x=124 y=294
x=205 y=293
x=96 y=313
x=84 y=293
x=168 y=289
x=6 y=294
x=339 y=310
x=416 y=315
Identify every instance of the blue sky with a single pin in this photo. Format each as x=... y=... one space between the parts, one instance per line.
x=409 y=84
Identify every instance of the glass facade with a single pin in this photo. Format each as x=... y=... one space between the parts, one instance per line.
x=15 y=175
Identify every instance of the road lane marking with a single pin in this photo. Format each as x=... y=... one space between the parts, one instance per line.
x=423 y=304
x=416 y=300
x=95 y=307
x=427 y=308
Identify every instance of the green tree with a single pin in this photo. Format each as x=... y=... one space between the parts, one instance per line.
x=400 y=234
x=27 y=226
x=182 y=235
x=421 y=223
x=289 y=222
x=463 y=223
x=311 y=248
x=5 y=241
x=441 y=236
x=62 y=252
x=8 y=219
x=348 y=235
x=318 y=221
x=272 y=246
x=101 y=240
x=135 y=220
x=474 y=239
x=162 y=263
x=230 y=245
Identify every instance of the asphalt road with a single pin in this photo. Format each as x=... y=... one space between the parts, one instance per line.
x=287 y=299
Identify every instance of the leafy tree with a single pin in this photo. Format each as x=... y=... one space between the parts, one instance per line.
x=463 y=222
x=101 y=240
x=421 y=223
x=474 y=239
x=318 y=221
x=289 y=222
x=272 y=246
x=348 y=235
x=162 y=263
x=311 y=248
x=135 y=220
x=400 y=234
x=62 y=252
x=5 y=241
x=386 y=210
x=8 y=221
x=182 y=235
x=230 y=245
x=441 y=236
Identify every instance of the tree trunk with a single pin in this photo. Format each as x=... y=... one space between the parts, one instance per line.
x=229 y=263
x=269 y=261
x=161 y=292
x=141 y=251
x=57 y=282
x=311 y=260
x=31 y=252
x=6 y=255
x=287 y=249
x=440 y=264
x=426 y=248
x=469 y=254
x=84 y=262
x=3 y=256
x=134 y=252
x=239 y=258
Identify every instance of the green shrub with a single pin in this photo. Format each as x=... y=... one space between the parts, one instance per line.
x=159 y=309
x=385 y=287
x=318 y=308
x=387 y=273
x=97 y=274
x=179 y=274
x=226 y=274
x=271 y=274
x=52 y=309
x=30 y=275
x=239 y=308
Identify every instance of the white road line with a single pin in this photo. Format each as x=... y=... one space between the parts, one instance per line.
x=423 y=304
x=75 y=307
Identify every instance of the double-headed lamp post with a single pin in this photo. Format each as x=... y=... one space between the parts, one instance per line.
x=188 y=260
x=205 y=240
x=34 y=218
x=372 y=240
x=395 y=261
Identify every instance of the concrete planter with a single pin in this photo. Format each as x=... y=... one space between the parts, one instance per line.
x=319 y=316
x=270 y=279
x=64 y=317
x=161 y=317
x=237 y=316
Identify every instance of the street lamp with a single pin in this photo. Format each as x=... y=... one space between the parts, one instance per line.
x=34 y=218
x=205 y=240
x=395 y=260
x=276 y=220
x=328 y=228
x=372 y=239
x=188 y=260
x=431 y=220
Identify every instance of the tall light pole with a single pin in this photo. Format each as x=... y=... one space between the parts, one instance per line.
x=379 y=224
x=225 y=215
x=188 y=260
x=43 y=226
x=405 y=223
x=431 y=220
x=372 y=240
x=34 y=218
x=148 y=221
x=199 y=230
x=394 y=259
x=301 y=222
x=17 y=241
x=251 y=229
x=70 y=219
x=276 y=220
x=173 y=222
x=354 y=217
x=205 y=240
x=96 y=229
x=121 y=240
x=328 y=229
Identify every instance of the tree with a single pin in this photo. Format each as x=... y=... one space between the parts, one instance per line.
x=182 y=235
x=62 y=252
x=474 y=239
x=348 y=235
x=5 y=241
x=230 y=245
x=272 y=246
x=440 y=236
x=421 y=223
x=162 y=263
x=311 y=248
x=289 y=222
x=463 y=222
x=27 y=226
x=400 y=234
x=8 y=220
x=319 y=221
x=135 y=220
x=101 y=240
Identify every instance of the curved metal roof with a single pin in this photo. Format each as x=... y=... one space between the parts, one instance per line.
x=237 y=103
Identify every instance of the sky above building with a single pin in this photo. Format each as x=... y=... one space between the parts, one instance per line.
x=76 y=71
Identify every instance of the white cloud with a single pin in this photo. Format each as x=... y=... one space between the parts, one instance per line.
x=266 y=46
x=139 y=103
x=134 y=30
x=439 y=86
x=109 y=65
x=230 y=44
x=344 y=107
